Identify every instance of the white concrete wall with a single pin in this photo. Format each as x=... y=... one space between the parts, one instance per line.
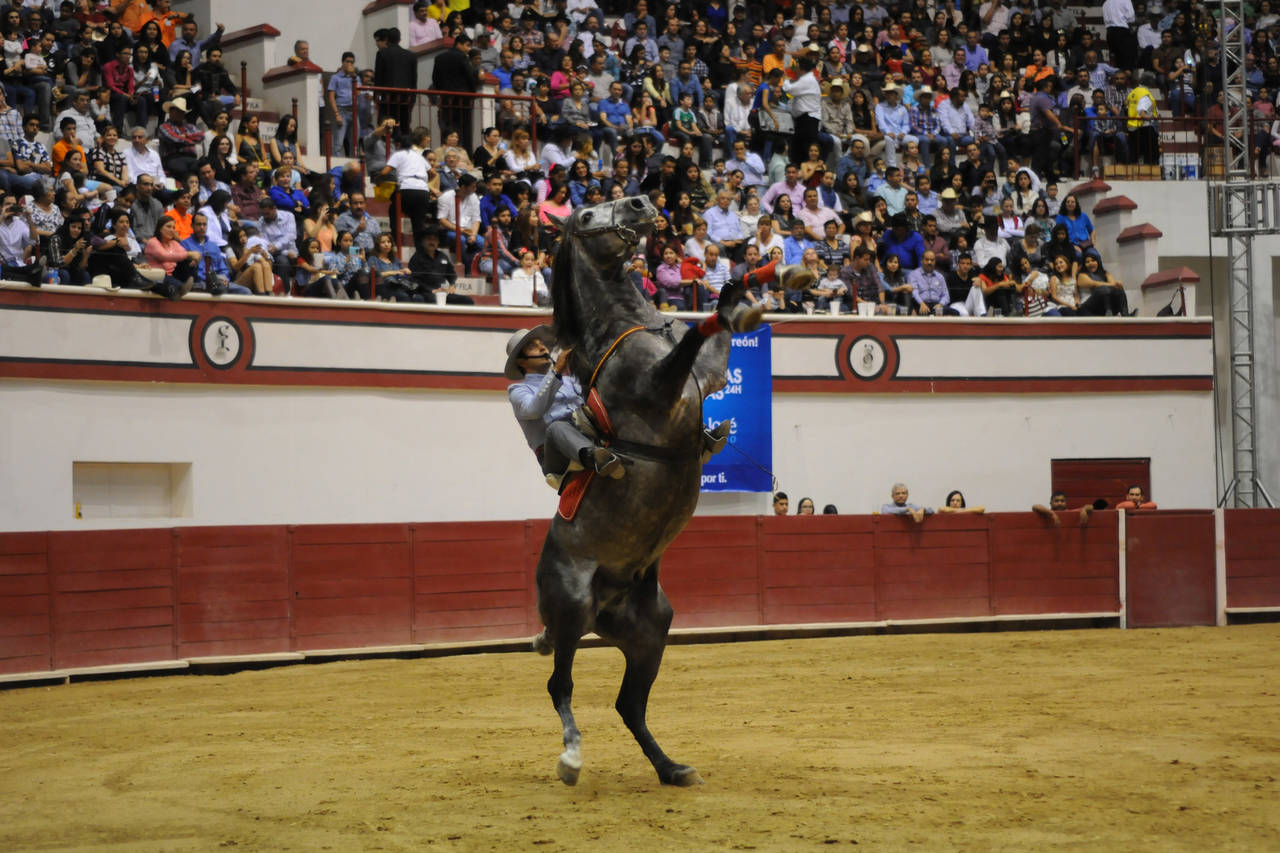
x=261 y=455
x=330 y=26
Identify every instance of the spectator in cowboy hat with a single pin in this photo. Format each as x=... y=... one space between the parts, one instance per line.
x=178 y=139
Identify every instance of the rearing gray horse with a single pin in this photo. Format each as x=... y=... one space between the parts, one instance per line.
x=599 y=572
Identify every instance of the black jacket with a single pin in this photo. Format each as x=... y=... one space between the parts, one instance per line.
x=394 y=66
x=432 y=272
x=454 y=72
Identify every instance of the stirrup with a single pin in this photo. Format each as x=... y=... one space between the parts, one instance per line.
x=714 y=440
x=607 y=463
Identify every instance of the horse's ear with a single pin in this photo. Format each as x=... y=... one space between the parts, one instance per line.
x=558 y=221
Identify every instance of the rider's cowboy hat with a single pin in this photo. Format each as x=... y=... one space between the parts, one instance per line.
x=517 y=344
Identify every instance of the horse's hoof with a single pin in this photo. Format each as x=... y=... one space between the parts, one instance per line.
x=682 y=775
x=744 y=318
x=542 y=643
x=569 y=767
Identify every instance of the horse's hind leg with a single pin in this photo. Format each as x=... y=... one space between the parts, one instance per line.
x=639 y=626
x=563 y=601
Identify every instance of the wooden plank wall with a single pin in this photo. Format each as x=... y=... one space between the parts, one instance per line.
x=73 y=599
x=26 y=605
x=1169 y=565
x=1253 y=557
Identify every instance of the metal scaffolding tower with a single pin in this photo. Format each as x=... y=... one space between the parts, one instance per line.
x=1240 y=208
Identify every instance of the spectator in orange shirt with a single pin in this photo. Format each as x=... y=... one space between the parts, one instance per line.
x=181 y=213
x=1135 y=500
x=778 y=58
x=67 y=144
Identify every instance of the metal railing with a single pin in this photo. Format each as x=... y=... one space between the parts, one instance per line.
x=1187 y=148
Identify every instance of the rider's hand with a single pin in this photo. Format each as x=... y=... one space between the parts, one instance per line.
x=563 y=361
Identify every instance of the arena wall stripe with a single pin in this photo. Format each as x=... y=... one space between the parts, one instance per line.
x=76 y=602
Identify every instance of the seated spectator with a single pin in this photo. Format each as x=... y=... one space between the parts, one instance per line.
x=998 y=289
x=670 y=281
x=955 y=504
x=1079 y=226
x=1102 y=293
x=1033 y=290
x=165 y=251
x=467 y=214
x=285 y=197
x=212 y=274
x=394 y=278
x=1134 y=499
x=140 y=160
x=929 y=287
x=107 y=165
x=805 y=507
x=433 y=271
x=248 y=259
x=278 y=229
x=900 y=506
x=313 y=276
x=830 y=291
x=351 y=270
x=179 y=139
x=903 y=243
x=69 y=250
x=67 y=142
x=180 y=213
x=220 y=217
x=895 y=290
x=781 y=503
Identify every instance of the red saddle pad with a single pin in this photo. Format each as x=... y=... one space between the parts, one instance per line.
x=571 y=494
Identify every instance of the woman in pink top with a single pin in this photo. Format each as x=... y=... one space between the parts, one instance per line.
x=165 y=251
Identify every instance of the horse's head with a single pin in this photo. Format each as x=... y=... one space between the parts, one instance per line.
x=587 y=279
x=608 y=233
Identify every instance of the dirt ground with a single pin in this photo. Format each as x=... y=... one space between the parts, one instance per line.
x=1097 y=740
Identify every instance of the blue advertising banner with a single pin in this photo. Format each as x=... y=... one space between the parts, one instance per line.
x=747 y=403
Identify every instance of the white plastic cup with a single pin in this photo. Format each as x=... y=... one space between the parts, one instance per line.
x=441 y=296
x=866 y=309
x=808 y=307
x=835 y=307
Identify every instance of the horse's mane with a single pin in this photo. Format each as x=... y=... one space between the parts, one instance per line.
x=566 y=320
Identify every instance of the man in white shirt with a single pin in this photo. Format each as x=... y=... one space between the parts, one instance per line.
x=723 y=226
x=410 y=165
x=806 y=107
x=86 y=130
x=1118 y=18
x=737 y=118
x=462 y=205
x=994 y=17
x=749 y=162
x=140 y=159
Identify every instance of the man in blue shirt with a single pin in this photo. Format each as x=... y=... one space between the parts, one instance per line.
x=187 y=41
x=686 y=81
x=213 y=265
x=900 y=240
x=493 y=200
x=615 y=114
x=341 y=102
x=793 y=247
x=899 y=506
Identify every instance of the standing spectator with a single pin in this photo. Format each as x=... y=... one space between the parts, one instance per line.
x=899 y=494
x=806 y=108
x=410 y=165
x=455 y=72
x=342 y=103
x=1122 y=41
x=1046 y=147
x=217 y=92
x=396 y=68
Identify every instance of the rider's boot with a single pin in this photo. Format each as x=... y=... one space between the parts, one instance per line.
x=602 y=460
x=714 y=440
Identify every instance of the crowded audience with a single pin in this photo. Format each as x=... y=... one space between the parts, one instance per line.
x=907 y=156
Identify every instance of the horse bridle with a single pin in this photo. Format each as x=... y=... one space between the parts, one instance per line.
x=626 y=233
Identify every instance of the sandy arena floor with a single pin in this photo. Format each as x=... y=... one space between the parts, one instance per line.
x=1097 y=740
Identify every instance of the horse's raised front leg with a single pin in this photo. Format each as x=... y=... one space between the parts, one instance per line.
x=638 y=626
x=564 y=602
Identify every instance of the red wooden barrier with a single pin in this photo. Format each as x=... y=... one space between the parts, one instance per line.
x=233 y=591
x=471 y=582
x=1169 y=559
x=710 y=573
x=1253 y=557
x=113 y=597
x=26 y=611
x=817 y=569
x=75 y=599
x=1039 y=568
x=351 y=586
x=932 y=570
